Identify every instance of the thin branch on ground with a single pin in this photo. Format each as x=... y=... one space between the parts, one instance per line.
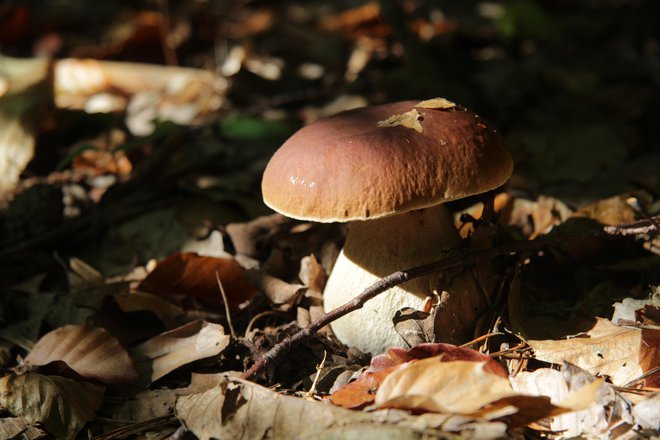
x=461 y=257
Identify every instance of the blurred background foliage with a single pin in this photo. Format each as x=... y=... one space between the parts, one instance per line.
x=573 y=87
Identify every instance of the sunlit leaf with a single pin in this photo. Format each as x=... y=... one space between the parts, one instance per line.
x=91 y=352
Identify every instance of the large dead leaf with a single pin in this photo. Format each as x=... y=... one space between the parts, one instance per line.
x=190 y=275
x=151 y=404
x=63 y=406
x=21 y=101
x=605 y=349
x=91 y=352
x=466 y=388
x=191 y=342
x=238 y=409
x=362 y=391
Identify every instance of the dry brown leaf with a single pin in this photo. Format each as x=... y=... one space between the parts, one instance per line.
x=457 y=387
x=19 y=428
x=606 y=349
x=278 y=291
x=362 y=391
x=238 y=409
x=91 y=352
x=465 y=388
x=436 y=103
x=164 y=310
x=191 y=342
x=408 y=119
x=151 y=404
x=63 y=406
x=186 y=275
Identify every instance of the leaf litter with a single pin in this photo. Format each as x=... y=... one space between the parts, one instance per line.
x=147 y=245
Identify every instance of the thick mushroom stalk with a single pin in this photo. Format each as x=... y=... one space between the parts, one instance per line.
x=377 y=248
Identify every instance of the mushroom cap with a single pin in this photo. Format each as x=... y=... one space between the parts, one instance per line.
x=383 y=160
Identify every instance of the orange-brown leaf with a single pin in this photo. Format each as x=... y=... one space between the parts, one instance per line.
x=186 y=275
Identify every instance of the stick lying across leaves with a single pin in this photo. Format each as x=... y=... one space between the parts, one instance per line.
x=453 y=259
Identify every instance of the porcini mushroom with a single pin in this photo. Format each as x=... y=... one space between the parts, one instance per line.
x=386 y=169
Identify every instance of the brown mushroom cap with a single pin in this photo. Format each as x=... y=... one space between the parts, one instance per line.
x=378 y=161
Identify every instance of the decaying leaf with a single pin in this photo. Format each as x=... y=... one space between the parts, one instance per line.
x=184 y=275
x=19 y=428
x=600 y=416
x=605 y=349
x=409 y=119
x=151 y=404
x=91 y=352
x=436 y=103
x=63 y=406
x=191 y=342
x=25 y=93
x=137 y=301
x=362 y=391
x=466 y=388
x=238 y=409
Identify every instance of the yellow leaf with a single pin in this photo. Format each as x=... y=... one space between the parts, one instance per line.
x=408 y=119
x=437 y=103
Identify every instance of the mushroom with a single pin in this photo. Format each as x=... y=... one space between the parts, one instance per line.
x=387 y=170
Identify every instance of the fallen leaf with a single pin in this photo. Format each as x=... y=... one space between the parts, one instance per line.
x=191 y=342
x=24 y=97
x=456 y=387
x=436 y=103
x=151 y=404
x=164 y=310
x=184 y=275
x=63 y=406
x=647 y=412
x=606 y=349
x=91 y=352
x=597 y=417
x=466 y=388
x=13 y=427
x=238 y=409
x=362 y=391
x=408 y=119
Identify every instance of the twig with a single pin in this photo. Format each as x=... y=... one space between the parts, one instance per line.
x=453 y=259
x=226 y=303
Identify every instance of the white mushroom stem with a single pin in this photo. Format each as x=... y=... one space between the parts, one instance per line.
x=377 y=248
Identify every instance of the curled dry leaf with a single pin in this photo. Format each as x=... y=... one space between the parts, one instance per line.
x=606 y=348
x=408 y=119
x=466 y=388
x=185 y=275
x=191 y=342
x=63 y=406
x=91 y=352
x=164 y=310
x=362 y=391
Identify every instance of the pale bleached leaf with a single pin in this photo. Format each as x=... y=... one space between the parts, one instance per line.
x=436 y=103
x=606 y=348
